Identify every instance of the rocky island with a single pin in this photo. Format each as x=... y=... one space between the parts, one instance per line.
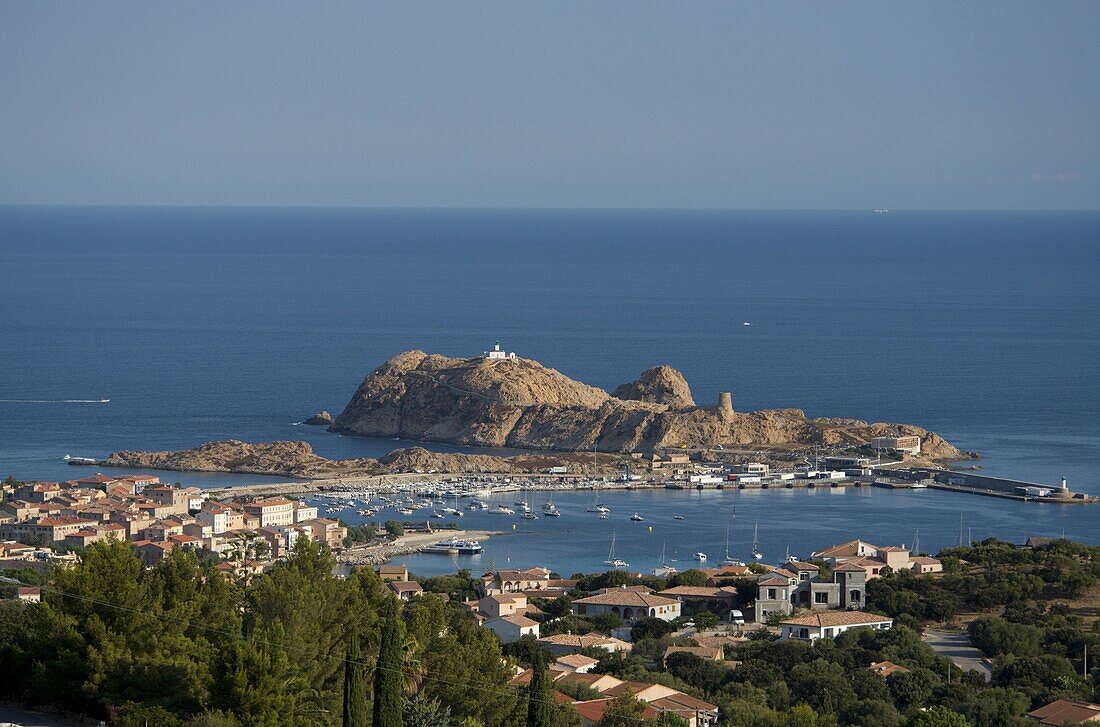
x=507 y=401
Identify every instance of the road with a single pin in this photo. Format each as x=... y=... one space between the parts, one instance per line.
x=956 y=646
x=23 y=718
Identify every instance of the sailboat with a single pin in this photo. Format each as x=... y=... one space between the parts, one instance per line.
x=756 y=554
x=663 y=570
x=597 y=507
x=729 y=560
x=549 y=509
x=611 y=559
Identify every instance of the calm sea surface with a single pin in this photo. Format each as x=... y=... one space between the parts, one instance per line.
x=204 y=324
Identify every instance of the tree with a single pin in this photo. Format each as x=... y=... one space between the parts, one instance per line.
x=423 y=712
x=625 y=711
x=389 y=697
x=355 y=689
x=650 y=627
x=705 y=620
x=394 y=528
x=538 y=696
x=938 y=717
x=607 y=622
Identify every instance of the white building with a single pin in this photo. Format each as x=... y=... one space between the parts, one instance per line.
x=497 y=353
x=830 y=624
x=512 y=628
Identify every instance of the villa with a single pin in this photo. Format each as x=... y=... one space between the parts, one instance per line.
x=830 y=624
x=800 y=585
x=630 y=605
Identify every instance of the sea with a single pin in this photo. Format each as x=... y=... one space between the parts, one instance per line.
x=213 y=323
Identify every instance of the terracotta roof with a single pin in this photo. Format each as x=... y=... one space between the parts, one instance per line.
x=680 y=702
x=698 y=592
x=825 y=619
x=581 y=640
x=773 y=579
x=517 y=619
x=800 y=565
x=850 y=548
x=849 y=568
x=627 y=598
x=577 y=661
x=924 y=560
x=713 y=653
x=886 y=668
x=1064 y=711
x=593 y=709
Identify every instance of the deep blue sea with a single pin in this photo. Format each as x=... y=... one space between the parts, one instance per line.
x=209 y=323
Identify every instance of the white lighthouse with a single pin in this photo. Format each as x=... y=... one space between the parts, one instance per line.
x=498 y=353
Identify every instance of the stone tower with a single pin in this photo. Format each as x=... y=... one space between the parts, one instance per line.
x=725 y=402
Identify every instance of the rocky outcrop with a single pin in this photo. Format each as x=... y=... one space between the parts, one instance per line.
x=658 y=385
x=320 y=419
x=521 y=404
x=297 y=459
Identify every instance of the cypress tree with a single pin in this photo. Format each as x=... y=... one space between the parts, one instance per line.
x=389 y=699
x=355 y=688
x=538 y=696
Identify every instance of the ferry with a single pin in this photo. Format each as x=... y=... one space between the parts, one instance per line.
x=455 y=545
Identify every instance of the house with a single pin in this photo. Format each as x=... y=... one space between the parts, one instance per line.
x=512 y=628
x=393 y=572
x=326 y=531
x=1065 y=711
x=708 y=653
x=591 y=712
x=153 y=552
x=30 y=594
x=630 y=605
x=702 y=598
x=51 y=529
x=886 y=668
x=177 y=499
x=873 y=558
x=502 y=605
x=578 y=663
x=404 y=589
x=572 y=643
x=829 y=624
x=799 y=585
x=510 y=581
x=303 y=512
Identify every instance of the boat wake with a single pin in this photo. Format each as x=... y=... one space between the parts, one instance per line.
x=55 y=401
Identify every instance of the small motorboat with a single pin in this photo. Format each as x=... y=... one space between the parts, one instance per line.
x=637 y=518
x=701 y=557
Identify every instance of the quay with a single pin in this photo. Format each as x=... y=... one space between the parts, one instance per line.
x=405 y=545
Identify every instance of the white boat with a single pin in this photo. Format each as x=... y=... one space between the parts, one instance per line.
x=756 y=554
x=728 y=560
x=637 y=518
x=455 y=545
x=663 y=569
x=678 y=517
x=550 y=510
x=746 y=323
x=502 y=510
x=701 y=557
x=529 y=516
x=611 y=559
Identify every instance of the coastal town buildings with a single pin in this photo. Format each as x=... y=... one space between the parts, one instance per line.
x=1066 y=712
x=155 y=517
x=873 y=558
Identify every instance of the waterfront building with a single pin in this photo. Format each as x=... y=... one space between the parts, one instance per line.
x=830 y=624
x=903 y=445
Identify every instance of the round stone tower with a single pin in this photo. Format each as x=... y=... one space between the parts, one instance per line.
x=725 y=402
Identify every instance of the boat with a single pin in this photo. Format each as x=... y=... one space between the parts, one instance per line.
x=611 y=559
x=521 y=504
x=746 y=323
x=729 y=560
x=701 y=557
x=406 y=510
x=663 y=569
x=637 y=518
x=678 y=517
x=756 y=554
x=502 y=510
x=78 y=460
x=602 y=516
x=455 y=545
x=529 y=516
x=551 y=510
x=437 y=514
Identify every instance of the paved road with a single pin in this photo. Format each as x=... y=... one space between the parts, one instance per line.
x=956 y=646
x=23 y=718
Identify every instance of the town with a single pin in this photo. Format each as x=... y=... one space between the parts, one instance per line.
x=590 y=627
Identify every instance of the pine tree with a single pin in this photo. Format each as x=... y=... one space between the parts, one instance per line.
x=355 y=688
x=538 y=696
x=389 y=698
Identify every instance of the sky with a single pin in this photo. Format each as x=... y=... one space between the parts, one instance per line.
x=851 y=105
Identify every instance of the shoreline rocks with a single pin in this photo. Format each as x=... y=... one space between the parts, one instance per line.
x=320 y=419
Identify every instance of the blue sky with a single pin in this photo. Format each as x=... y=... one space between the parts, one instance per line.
x=566 y=104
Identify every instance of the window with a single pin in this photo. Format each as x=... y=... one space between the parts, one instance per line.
x=803 y=633
x=821 y=597
x=803 y=576
x=771 y=593
x=853 y=596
